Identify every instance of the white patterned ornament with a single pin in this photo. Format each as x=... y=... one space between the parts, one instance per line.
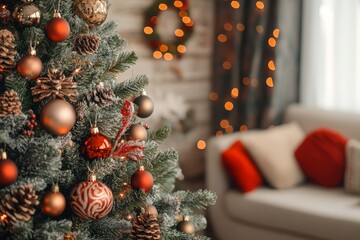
x=91 y=199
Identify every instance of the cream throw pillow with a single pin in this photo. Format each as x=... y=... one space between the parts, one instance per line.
x=352 y=169
x=273 y=152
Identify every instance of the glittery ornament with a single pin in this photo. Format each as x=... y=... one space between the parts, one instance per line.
x=93 y=12
x=26 y=14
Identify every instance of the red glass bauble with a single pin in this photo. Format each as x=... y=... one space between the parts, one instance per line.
x=8 y=171
x=91 y=199
x=97 y=145
x=57 y=29
x=142 y=180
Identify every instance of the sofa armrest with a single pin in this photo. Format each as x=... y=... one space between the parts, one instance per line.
x=215 y=175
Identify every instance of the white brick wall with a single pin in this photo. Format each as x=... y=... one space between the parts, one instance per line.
x=188 y=77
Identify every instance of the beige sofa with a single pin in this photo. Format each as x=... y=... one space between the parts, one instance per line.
x=304 y=212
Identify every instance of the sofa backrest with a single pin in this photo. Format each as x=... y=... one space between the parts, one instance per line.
x=311 y=118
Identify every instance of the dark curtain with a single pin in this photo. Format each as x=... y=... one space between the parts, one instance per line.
x=256 y=62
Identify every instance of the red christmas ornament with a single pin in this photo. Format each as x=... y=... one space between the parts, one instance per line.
x=97 y=145
x=91 y=199
x=142 y=180
x=57 y=29
x=8 y=170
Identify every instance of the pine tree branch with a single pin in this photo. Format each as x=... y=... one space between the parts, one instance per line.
x=131 y=86
x=161 y=134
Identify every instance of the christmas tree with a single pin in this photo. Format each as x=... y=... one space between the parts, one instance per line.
x=77 y=162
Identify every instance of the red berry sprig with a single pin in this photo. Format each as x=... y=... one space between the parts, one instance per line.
x=30 y=124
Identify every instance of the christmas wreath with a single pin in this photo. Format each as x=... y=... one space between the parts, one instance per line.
x=161 y=48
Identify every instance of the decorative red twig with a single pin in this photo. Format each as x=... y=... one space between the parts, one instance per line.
x=132 y=150
x=127 y=149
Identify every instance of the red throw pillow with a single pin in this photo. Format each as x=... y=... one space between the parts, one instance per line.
x=241 y=168
x=322 y=157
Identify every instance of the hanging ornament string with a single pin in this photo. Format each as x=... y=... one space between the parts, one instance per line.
x=59 y=4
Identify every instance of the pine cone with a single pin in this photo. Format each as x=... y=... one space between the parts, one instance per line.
x=87 y=44
x=10 y=104
x=145 y=227
x=19 y=204
x=55 y=85
x=7 y=51
x=101 y=96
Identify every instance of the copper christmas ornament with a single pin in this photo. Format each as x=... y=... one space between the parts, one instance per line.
x=136 y=132
x=30 y=66
x=58 y=116
x=53 y=202
x=145 y=106
x=93 y=12
x=27 y=14
x=186 y=226
x=151 y=209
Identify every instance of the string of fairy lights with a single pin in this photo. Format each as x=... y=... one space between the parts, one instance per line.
x=227 y=65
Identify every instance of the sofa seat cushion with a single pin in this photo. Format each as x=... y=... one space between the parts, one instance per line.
x=306 y=210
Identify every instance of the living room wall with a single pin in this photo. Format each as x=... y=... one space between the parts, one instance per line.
x=178 y=86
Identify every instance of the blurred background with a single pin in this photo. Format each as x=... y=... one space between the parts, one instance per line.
x=219 y=68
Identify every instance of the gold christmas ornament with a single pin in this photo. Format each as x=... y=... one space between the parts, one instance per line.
x=10 y=103
x=151 y=209
x=55 y=85
x=19 y=204
x=26 y=14
x=30 y=66
x=7 y=51
x=58 y=116
x=186 y=226
x=53 y=203
x=87 y=44
x=93 y=12
x=145 y=105
x=136 y=132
